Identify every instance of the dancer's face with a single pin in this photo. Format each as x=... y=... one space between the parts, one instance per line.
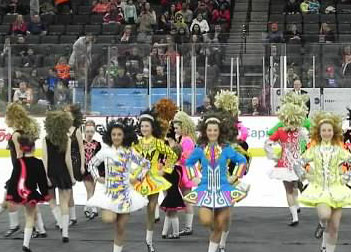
x=117 y=136
x=89 y=132
x=326 y=131
x=146 y=128
x=212 y=132
x=178 y=129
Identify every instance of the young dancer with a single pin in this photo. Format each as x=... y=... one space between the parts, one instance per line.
x=58 y=164
x=327 y=190
x=151 y=147
x=289 y=137
x=217 y=197
x=91 y=148
x=184 y=128
x=115 y=193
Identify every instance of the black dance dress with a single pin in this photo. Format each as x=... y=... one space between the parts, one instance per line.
x=75 y=155
x=13 y=152
x=28 y=175
x=90 y=150
x=57 y=168
x=174 y=198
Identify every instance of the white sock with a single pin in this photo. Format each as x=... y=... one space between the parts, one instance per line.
x=39 y=224
x=72 y=213
x=293 y=211
x=224 y=237
x=175 y=225
x=117 y=248
x=189 y=220
x=330 y=243
x=65 y=223
x=27 y=235
x=212 y=247
x=149 y=235
x=14 y=222
x=166 y=225
x=324 y=240
x=157 y=212
x=56 y=212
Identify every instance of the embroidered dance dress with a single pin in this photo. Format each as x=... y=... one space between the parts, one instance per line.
x=28 y=175
x=326 y=176
x=117 y=194
x=154 y=149
x=214 y=190
x=75 y=155
x=188 y=146
x=57 y=169
x=13 y=152
x=90 y=150
x=174 y=198
x=291 y=149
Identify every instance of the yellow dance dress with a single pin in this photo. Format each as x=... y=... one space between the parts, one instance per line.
x=326 y=177
x=157 y=152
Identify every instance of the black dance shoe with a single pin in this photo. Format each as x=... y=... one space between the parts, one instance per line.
x=173 y=237
x=65 y=239
x=221 y=249
x=157 y=220
x=36 y=234
x=186 y=231
x=324 y=249
x=73 y=222
x=11 y=231
x=150 y=248
x=87 y=214
x=293 y=223
x=25 y=249
x=319 y=231
x=93 y=215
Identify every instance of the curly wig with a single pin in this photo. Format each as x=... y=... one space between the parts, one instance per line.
x=76 y=113
x=227 y=100
x=292 y=97
x=18 y=118
x=227 y=132
x=332 y=119
x=186 y=123
x=151 y=117
x=127 y=125
x=57 y=125
x=165 y=110
x=292 y=115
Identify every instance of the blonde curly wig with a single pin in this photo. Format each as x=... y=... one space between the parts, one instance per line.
x=296 y=99
x=323 y=117
x=227 y=100
x=17 y=118
x=57 y=125
x=292 y=115
x=186 y=123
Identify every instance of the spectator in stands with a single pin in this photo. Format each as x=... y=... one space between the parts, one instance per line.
x=275 y=36
x=330 y=78
x=134 y=61
x=146 y=21
x=346 y=64
x=6 y=48
x=47 y=8
x=314 y=6
x=165 y=23
x=61 y=95
x=179 y=24
x=33 y=79
x=100 y=7
x=23 y=94
x=20 y=49
x=100 y=79
x=127 y=37
x=115 y=4
x=217 y=36
x=122 y=80
x=293 y=36
x=172 y=12
x=18 y=77
x=81 y=59
x=207 y=106
x=36 y=26
x=63 y=70
x=182 y=36
x=221 y=16
x=160 y=79
x=292 y=7
x=19 y=26
x=130 y=13
x=29 y=59
x=41 y=96
x=202 y=9
x=140 y=81
x=15 y=7
x=3 y=93
x=186 y=12
x=199 y=20
x=291 y=75
x=255 y=108
x=63 y=6
x=304 y=7
x=326 y=34
x=308 y=77
x=114 y=15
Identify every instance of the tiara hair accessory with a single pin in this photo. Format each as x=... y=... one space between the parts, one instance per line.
x=147 y=116
x=212 y=119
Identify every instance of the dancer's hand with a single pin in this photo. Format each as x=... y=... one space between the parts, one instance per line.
x=232 y=179
x=101 y=180
x=196 y=181
x=133 y=181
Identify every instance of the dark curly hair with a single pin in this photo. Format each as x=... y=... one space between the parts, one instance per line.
x=127 y=125
x=227 y=131
x=155 y=124
x=76 y=113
